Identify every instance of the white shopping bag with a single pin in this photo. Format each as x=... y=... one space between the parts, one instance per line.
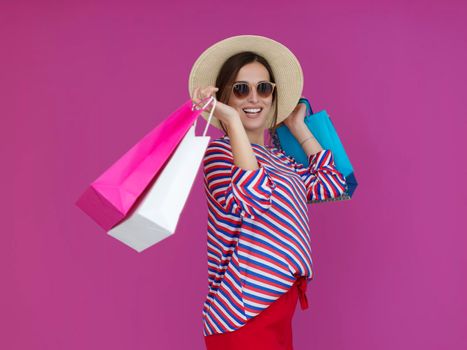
x=156 y=215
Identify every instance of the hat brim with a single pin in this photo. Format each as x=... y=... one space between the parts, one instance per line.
x=285 y=66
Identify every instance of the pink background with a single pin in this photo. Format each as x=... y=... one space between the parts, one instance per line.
x=81 y=82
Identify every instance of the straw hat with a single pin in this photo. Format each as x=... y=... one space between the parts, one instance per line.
x=285 y=66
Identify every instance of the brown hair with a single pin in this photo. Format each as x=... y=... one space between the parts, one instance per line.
x=228 y=73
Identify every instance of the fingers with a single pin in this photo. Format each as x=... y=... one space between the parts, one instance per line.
x=201 y=93
x=197 y=97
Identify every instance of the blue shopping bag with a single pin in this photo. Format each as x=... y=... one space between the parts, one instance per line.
x=323 y=130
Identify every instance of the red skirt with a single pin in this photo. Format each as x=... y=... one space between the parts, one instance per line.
x=271 y=329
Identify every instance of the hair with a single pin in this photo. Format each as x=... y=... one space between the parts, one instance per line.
x=228 y=73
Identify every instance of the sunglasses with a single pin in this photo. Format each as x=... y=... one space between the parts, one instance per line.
x=241 y=89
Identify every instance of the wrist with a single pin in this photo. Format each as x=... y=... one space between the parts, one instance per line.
x=297 y=127
x=234 y=124
x=302 y=142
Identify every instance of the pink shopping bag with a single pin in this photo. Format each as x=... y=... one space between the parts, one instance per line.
x=110 y=197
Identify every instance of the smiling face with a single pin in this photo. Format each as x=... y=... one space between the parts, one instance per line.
x=252 y=73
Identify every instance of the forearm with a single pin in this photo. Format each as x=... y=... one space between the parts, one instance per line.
x=242 y=151
x=302 y=133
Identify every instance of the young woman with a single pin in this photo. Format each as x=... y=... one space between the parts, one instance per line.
x=259 y=249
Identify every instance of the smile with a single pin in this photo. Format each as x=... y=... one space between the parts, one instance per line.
x=252 y=112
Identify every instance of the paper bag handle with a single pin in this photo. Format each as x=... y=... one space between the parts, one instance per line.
x=210 y=99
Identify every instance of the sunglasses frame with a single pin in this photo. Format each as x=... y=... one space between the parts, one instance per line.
x=250 y=88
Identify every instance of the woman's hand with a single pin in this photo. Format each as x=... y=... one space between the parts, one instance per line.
x=296 y=124
x=296 y=119
x=242 y=151
x=222 y=111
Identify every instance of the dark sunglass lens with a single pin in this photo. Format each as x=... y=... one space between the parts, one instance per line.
x=265 y=89
x=241 y=90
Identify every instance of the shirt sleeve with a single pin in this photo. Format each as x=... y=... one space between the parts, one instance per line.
x=238 y=191
x=321 y=178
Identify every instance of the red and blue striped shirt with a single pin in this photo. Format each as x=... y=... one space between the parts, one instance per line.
x=258 y=240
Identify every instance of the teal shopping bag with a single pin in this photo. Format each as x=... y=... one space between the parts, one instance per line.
x=323 y=130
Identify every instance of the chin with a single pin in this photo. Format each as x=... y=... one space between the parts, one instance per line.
x=254 y=124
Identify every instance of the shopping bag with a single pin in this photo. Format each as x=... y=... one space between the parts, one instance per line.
x=110 y=197
x=156 y=215
x=323 y=130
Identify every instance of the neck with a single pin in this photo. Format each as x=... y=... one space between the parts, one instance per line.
x=255 y=137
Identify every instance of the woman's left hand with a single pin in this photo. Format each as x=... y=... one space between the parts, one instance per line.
x=296 y=119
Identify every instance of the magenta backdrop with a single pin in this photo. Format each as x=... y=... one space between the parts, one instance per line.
x=81 y=82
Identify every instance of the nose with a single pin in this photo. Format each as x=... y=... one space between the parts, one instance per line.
x=253 y=95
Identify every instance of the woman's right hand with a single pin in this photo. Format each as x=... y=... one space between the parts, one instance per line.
x=225 y=113
x=242 y=151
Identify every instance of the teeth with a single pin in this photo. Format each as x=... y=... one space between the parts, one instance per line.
x=252 y=110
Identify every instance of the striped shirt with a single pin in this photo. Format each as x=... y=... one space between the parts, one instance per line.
x=258 y=239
